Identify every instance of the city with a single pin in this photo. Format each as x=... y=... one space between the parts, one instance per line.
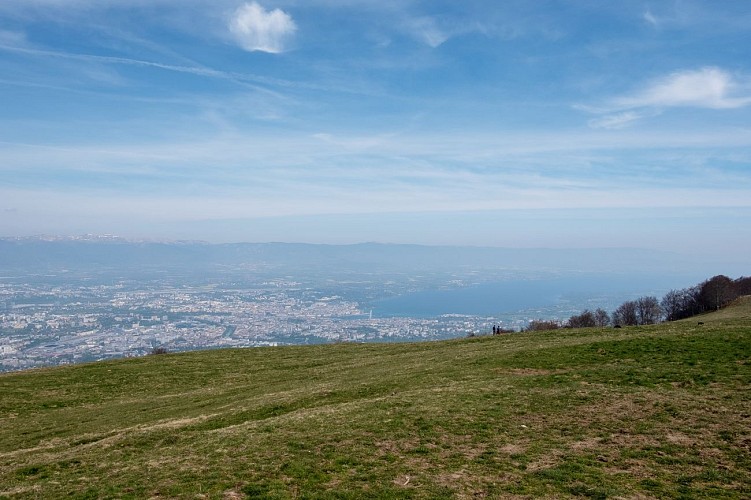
x=73 y=300
x=43 y=325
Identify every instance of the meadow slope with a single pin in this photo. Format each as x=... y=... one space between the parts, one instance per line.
x=641 y=412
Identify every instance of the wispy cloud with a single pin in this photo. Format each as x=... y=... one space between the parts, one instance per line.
x=650 y=18
x=698 y=16
x=619 y=120
x=202 y=71
x=452 y=168
x=233 y=176
x=704 y=88
x=257 y=29
x=267 y=85
x=12 y=38
x=426 y=30
x=708 y=87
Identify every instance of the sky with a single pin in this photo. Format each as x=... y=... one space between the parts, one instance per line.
x=576 y=123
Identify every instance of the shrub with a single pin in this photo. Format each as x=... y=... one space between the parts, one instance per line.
x=539 y=325
x=583 y=320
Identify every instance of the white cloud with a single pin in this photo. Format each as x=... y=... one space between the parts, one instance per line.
x=257 y=29
x=435 y=31
x=650 y=18
x=708 y=88
x=426 y=30
x=704 y=88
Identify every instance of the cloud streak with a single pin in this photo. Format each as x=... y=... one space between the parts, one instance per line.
x=195 y=70
x=308 y=175
x=619 y=120
x=201 y=71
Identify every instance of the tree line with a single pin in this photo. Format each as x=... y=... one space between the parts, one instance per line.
x=710 y=295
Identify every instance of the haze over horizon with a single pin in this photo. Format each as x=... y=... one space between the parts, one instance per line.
x=521 y=124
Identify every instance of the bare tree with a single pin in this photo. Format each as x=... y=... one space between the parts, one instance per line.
x=626 y=314
x=672 y=305
x=584 y=320
x=743 y=286
x=710 y=295
x=716 y=292
x=602 y=318
x=648 y=310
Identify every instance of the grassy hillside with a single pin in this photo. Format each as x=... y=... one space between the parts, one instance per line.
x=641 y=412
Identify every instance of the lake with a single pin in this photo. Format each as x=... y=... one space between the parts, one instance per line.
x=492 y=299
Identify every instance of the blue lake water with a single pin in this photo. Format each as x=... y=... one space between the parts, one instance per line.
x=504 y=297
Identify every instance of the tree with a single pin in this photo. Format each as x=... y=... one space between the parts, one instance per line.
x=742 y=286
x=716 y=292
x=710 y=295
x=648 y=310
x=626 y=314
x=690 y=305
x=584 y=320
x=680 y=304
x=672 y=305
x=602 y=318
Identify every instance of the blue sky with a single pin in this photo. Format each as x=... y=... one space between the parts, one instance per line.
x=514 y=123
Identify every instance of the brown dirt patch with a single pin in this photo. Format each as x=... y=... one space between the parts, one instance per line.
x=586 y=444
x=398 y=448
x=467 y=485
x=680 y=438
x=404 y=480
x=513 y=449
x=528 y=372
x=547 y=461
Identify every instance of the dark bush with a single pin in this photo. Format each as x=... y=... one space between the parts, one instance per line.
x=539 y=325
x=583 y=320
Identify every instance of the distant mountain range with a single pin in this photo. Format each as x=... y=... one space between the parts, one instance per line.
x=44 y=253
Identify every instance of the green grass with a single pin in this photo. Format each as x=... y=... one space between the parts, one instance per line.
x=643 y=412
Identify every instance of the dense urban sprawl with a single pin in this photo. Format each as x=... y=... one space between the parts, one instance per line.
x=43 y=324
